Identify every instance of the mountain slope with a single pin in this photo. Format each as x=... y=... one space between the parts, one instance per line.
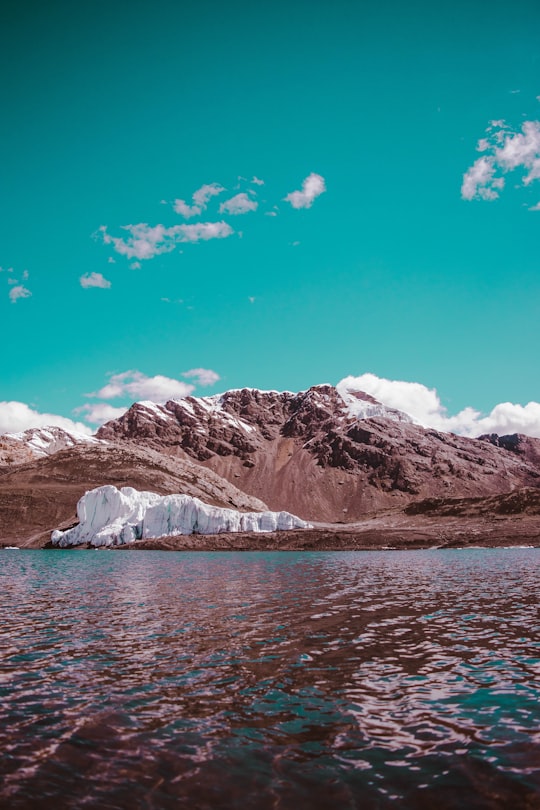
x=326 y=456
x=40 y=496
x=18 y=448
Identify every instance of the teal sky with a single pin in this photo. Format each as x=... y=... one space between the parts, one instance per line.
x=114 y=110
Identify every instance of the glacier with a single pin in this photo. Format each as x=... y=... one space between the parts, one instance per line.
x=109 y=516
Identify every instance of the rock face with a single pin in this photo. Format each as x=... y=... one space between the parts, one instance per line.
x=325 y=454
x=110 y=516
x=38 y=496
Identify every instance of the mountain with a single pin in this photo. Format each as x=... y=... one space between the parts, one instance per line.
x=16 y=448
x=42 y=495
x=324 y=454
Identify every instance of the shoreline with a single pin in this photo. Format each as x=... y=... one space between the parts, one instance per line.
x=504 y=521
x=420 y=534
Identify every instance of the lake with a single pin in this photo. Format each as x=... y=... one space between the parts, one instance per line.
x=270 y=680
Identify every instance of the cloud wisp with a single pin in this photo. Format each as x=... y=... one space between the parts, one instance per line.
x=202 y=376
x=98 y=413
x=17 y=290
x=239 y=204
x=504 y=150
x=94 y=280
x=142 y=241
x=312 y=187
x=146 y=241
x=200 y=200
x=425 y=406
x=136 y=385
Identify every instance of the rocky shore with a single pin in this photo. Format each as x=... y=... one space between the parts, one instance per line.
x=503 y=520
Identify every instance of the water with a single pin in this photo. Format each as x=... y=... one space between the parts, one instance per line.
x=270 y=680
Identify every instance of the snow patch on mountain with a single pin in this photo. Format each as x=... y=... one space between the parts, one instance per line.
x=157 y=410
x=213 y=406
x=109 y=516
x=51 y=439
x=360 y=405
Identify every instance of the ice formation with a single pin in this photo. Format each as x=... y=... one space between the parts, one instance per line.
x=109 y=516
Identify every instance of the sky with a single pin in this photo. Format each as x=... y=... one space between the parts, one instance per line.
x=197 y=196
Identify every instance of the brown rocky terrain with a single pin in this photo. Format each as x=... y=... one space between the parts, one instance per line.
x=311 y=454
x=42 y=495
x=14 y=452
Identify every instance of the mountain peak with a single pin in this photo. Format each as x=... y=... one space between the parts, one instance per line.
x=44 y=441
x=325 y=453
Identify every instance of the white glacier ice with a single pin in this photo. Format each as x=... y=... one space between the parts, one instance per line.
x=109 y=516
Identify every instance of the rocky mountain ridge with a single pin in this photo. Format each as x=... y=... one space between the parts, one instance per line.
x=324 y=455
x=328 y=456
x=18 y=448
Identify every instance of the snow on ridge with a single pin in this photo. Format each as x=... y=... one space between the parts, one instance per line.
x=51 y=439
x=159 y=410
x=356 y=405
x=110 y=516
x=214 y=405
x=369 y=408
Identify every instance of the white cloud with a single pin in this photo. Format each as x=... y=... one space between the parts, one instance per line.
x=203 y=195
x=200 y=200
x=425 y=406
x=19 y=291
x=508 y=151
x=17 y=416
x=239 y=204
x=312 y=187
x=94 y=280
x=478 y=181
x=136 y=385
x=100 y=412
x=146 y=241
x=535 y=207
x=202 y=376
x=185 y=210
x=522 y=149
x=257 y=181
x=203 y=231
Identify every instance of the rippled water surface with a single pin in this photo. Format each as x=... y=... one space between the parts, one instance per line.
x=270 y=680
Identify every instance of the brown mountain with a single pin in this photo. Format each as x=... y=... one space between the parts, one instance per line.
x=324 y=456
x=37 y=497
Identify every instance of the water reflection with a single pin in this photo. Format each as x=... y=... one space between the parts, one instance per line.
x=262 y=680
